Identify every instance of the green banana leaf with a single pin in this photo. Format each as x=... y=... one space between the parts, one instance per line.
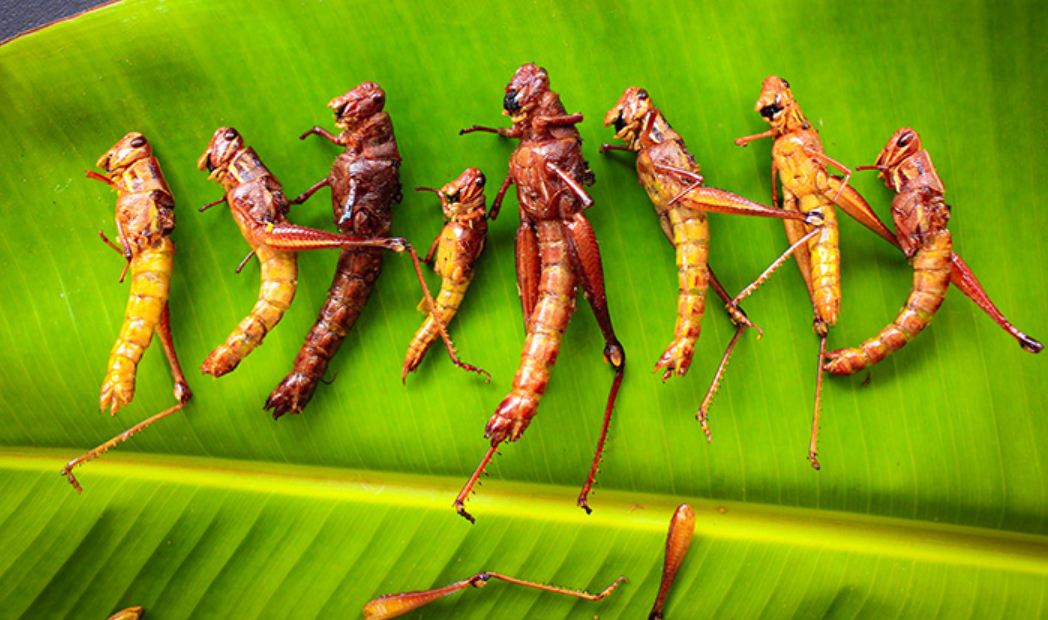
x=933 y=493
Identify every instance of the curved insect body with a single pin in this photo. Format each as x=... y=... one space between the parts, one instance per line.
x=556 y=252
x=454 y=251
x=259 y=207
x=920 y=215
x=365 y=184
x=258 y=204
x=145 y=218
x=800 y=163
x=670 y=176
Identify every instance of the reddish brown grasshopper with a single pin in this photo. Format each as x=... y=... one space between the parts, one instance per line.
x=145 y=219
x=920 y=215
x=455 y=250
x=394 y=605
x=556 y=252
x=365 y=183
x=259 y=207
x=801 y=165
x=669 y=174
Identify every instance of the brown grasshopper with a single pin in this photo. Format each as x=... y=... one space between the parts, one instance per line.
x=556 y=253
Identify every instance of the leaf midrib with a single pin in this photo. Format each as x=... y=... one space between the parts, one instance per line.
x=916 y=540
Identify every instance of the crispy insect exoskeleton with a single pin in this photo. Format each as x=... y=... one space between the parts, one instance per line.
x=556 y=253
x=394 y=605
x=454 y=251
x=131 y=613
x=365 y=183
x=801 y=165
x=920 y=214
x=259 y=207
x=678 y=539
x=145 y=218
x=670 y=176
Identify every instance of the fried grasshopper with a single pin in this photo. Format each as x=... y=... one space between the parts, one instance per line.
x=365 y=183
x=670 y=176
x=145 y=219
x=556 y=253
x=260 y=208
x=455 y=251
x=920 y=214
x=800 y=164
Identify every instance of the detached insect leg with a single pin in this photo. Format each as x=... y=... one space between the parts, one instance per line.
x=67 y=471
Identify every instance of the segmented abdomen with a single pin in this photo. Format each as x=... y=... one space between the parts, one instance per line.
x=350 y=290
x=931 y=277
x=825 y=261
x=546 y=325
x=447 y=304
x=279 y=275
x=150 y=280
x=691 y=238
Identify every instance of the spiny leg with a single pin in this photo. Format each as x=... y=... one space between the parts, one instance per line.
x=467 y=489
x=813 y=443
x=963 y=278
x=778 y=262
x=292 y=238
x=582 y=501
x=67 y=471
x=703 y=413
x=394 y=605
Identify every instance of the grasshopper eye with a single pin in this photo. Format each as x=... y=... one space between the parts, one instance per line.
x=230 y=134
x=769 y=111
x=905 y=139
x=509 y=102
x=480 y=181
x=785 y=83
x=138 y=142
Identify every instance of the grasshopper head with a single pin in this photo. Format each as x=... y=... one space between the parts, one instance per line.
x=127 y=151
x=628 y=115
x=464 y=195
x=776 y=103
x=904 y=144
x=360 y=103
x=225 y=144
x=524 y=91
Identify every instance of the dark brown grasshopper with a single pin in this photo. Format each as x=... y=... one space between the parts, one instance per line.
x=260 y=208
x=556 y=253
x=365 y=183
